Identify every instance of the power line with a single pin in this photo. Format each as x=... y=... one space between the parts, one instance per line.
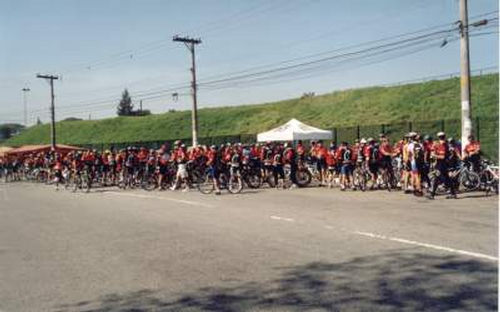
x=157 y=92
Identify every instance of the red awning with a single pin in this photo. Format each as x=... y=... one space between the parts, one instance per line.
x=33 y=149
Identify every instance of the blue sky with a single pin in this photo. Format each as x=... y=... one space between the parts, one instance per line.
x=101 y=47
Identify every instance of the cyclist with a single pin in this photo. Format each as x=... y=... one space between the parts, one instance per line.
x=235 y=161
x=385 y=163
x=213 y=163
x=331 y=163
x=163 y=160
x=151 y=163
x=289 y=157
x=277 y=167
x=301 y=151
x=320 y=153
x=440 y=152
x=345 y=158
x=453 y=161
x=372 y=156
x=181 y=159
x=415 y=156
x=472 y=153
x=266 y=156
x=426 y=166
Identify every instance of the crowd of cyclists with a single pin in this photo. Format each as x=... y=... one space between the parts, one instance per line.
x=414 y=164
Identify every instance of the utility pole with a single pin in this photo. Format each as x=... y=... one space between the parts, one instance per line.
x=25 y=102
x=51 y=78
x=140 y=106
x=190 y=44
x=465 y=74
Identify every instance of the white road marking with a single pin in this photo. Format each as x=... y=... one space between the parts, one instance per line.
x=410 y=242
x=329 y=227
x=181 y=201
x=282 y=218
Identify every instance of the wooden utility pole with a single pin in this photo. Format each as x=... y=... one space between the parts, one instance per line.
x=51 y=78
x=25 y=103
x=190 y=44
x=465 y=74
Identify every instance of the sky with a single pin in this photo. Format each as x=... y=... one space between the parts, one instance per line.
x=100 y=47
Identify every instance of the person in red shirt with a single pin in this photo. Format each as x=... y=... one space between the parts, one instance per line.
x=320 y=153
x=386 y=154
x=181 y=159
x=440 y=152
x=372 y=155
x=472 y=152
x=331 y=163
x=301 y=151
x=289 y=156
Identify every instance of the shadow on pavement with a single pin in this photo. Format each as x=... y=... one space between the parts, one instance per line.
x=404 y=281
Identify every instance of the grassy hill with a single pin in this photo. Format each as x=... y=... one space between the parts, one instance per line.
x=432 y=100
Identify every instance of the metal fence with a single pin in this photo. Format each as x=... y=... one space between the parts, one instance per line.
x=485 y=130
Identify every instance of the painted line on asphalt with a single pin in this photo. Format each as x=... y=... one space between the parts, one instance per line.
x=426 y=245
x=282 y=218
x=181 y=201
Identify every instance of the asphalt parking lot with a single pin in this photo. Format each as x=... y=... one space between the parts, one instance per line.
x=309 y=249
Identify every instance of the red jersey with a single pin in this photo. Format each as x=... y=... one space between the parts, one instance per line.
x=211 y=157
x=385 y=149
x=472 y=147
x=142 y=156
x=254 y=152
x=330 y=158
x=301 y=150
x=440 y=150
x=321 y=152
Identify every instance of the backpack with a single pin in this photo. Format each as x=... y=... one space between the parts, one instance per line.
x=347 y=154
x=374 y=153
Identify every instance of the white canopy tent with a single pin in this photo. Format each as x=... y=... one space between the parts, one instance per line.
x=294 y=130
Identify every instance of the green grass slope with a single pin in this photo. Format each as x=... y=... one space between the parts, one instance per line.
x=432 y=100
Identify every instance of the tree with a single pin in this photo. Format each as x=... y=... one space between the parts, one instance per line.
x=9 y=130
x=38 y=121
x=125 y=108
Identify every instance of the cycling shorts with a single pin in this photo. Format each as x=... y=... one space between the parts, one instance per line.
x=321 y=164
x=373 y=167
x=346 y=169
x=213 y=171
x=386 y=162
x=415 y=166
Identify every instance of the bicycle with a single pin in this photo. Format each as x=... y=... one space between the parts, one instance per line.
x=233 y=183
x=360 y=177
x=489 y=177
x=467 y=178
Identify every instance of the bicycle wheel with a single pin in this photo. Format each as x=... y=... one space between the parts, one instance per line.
x=150 y=183
x=470 y=180
x=235 y=185
x=253 y=180
x=304 y=177
x=76 y=183
x=206 y=185
x=87 y=183
x=362 y=181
